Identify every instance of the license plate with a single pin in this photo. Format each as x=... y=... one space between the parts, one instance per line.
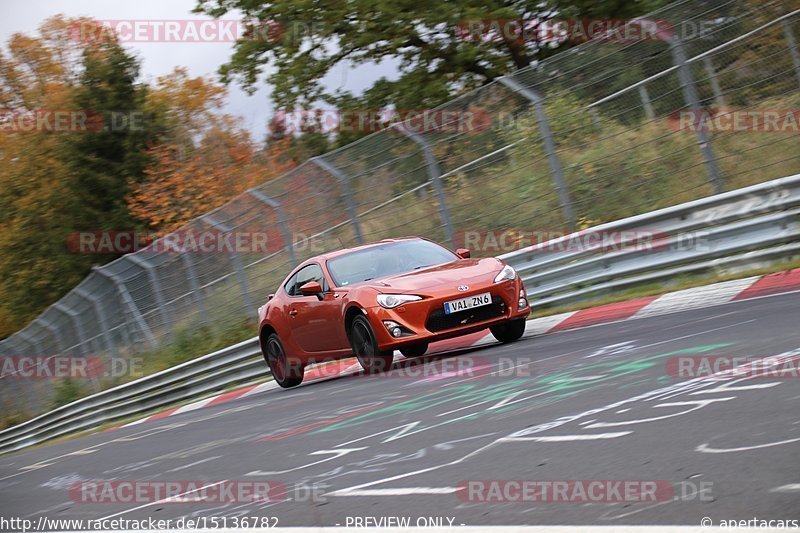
x=462 y=304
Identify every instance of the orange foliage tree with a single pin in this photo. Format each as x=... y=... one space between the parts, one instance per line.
x=209 y=159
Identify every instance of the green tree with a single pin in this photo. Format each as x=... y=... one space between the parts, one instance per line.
x=436 y=61
x=105 y=161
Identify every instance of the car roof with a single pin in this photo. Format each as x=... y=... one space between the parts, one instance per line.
x=337 y=253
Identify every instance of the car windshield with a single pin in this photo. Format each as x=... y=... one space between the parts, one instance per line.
x=387 y=260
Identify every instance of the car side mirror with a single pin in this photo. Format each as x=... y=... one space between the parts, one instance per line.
x=270 y=297
x=463 y=253
x=312 y=288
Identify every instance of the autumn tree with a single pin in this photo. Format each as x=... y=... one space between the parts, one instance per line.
x=56 y=181
x=207 y=157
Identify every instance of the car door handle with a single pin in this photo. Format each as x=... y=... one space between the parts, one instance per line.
x=293 y=312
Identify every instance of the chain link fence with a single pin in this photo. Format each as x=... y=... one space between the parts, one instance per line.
x=595 y=133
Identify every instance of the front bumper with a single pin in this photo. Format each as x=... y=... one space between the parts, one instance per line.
x=425 y=321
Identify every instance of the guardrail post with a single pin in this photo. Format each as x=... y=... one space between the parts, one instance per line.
x=237 y=261
x=435 y=175
x=693 y=101
x=712 y=77
x=549 y=145
x=793 y=52
x=347 y=192
x=197 y=294
x=101 y=318
x=155 y=283
x=646 y=103
x=125 y=296
x=282 y=222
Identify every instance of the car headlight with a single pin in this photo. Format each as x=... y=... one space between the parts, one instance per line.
x=390 y=301
x=506 y=273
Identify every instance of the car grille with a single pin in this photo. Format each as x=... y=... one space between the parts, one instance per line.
x=438 y=321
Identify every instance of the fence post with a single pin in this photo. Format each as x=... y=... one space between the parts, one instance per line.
x=347 y=191
x=712 y=76
x=73 y=317
x=125 y=296
x=26 y=389
x=31 y=395
x=237 y=261
x=46 y=324
x=197 y=294
x=549 y=145
x=155 y=283
x=282 y=222
x=646 y=103
x=101 y=318
x=693 y=101
x=435 y=175
x=793 y=52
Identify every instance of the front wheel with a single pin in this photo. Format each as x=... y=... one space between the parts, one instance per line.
x=286 y=371
x=509 y=331
x=365 y=347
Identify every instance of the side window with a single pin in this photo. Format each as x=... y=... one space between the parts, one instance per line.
x=289 y=287
x=304 y=275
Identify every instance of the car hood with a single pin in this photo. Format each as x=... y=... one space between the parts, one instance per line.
x=442 y=276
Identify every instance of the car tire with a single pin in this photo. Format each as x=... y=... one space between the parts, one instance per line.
x=509 y=331
x=365 y=347
x=414 y=350
x=286 y=371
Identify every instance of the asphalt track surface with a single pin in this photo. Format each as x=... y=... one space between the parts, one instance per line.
x=597 y=403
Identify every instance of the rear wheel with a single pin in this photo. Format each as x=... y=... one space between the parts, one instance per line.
x=365 y=347
x=509 y=331
x=286 y=371
x=414 y=350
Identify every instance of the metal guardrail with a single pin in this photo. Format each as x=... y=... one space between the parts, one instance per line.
x=756 y=223
x=192 y=379
x=760 y=221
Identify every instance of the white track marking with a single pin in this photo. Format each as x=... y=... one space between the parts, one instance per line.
x=335 y=454
x=171 y=498
x=569 y=438
x=793 y=487
x=698 y=404
x=404 y=429
x=201 y=461
x=705 y=448
x=407 y=491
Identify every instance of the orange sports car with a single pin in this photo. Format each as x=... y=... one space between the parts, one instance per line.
x=397 y=294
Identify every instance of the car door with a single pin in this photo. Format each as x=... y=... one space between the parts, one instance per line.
x=315 y=322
